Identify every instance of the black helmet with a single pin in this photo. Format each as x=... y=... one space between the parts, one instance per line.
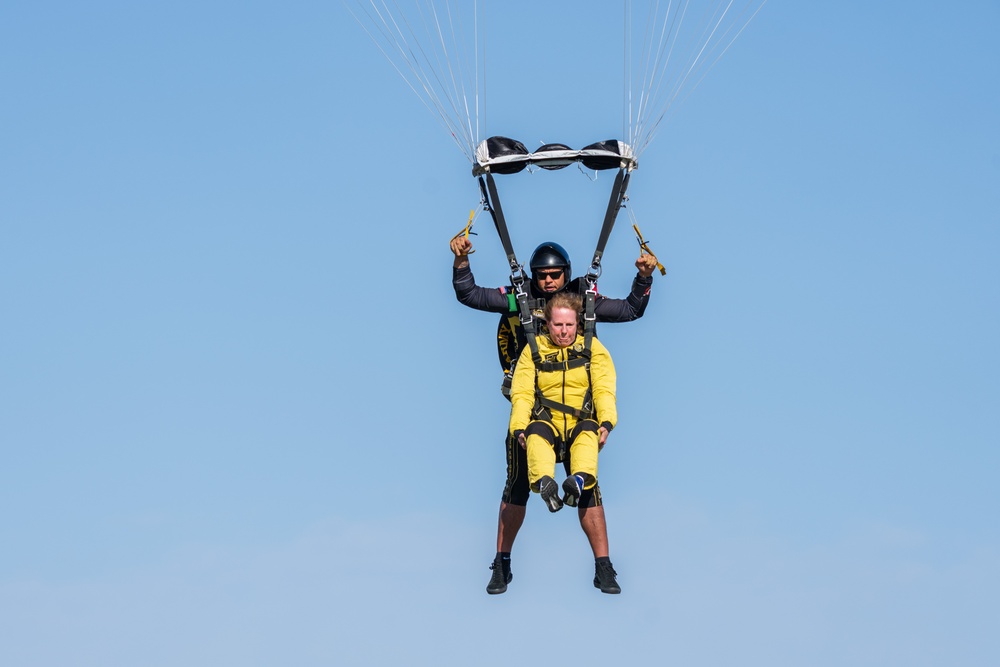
x=550 y=255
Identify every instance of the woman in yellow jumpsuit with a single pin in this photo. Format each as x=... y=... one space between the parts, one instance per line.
x=564 y=401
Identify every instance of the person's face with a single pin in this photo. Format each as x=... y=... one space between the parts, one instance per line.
x=562 y=326
x=550 y=280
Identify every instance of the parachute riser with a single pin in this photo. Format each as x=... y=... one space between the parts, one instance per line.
x=615 y=203
x=490 y=200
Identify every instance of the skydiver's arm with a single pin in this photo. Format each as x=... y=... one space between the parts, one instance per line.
x=628 y=309
x=472 y=295
x=466 y=290
x=603 y=385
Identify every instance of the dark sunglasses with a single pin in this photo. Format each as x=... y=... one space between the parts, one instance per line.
x=554 y=275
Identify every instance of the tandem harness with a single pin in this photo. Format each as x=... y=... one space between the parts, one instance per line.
x=521 y=307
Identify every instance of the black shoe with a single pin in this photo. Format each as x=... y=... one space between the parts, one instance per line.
x=549 y=491
x=604 y=578
x=573 y=491
x=500 y=578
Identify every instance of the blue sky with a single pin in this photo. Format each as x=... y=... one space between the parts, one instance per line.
x=244 y=421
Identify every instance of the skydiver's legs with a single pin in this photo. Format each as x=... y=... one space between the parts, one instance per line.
x=515 y=495
x=583 y=458
x=595 y=527
x=583 y=453
x=509 y=522
x=511 y=515
x=582 y=465
x=541 y=438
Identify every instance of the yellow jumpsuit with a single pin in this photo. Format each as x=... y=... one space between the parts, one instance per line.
x=568 y=387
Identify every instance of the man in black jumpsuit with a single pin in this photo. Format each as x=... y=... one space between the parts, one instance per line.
x=550 y=273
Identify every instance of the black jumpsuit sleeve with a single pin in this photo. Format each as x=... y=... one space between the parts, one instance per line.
x=627 y=309
x=472 y=295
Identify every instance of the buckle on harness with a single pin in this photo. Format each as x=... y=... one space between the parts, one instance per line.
x=517 y=278
x=590 y=296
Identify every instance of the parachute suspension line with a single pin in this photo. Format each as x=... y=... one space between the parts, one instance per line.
x=722 y=50
x=657 y=67
x=645 y=61
x=382 y=25
x=627 y=73
x=427 y=83
x=695 y=43
x=399 y=43
x=428 y=44
x=472 y=77
x=592 y=179
x=393 y=34
x=475 y=7
x=696 y=35
x=704 y=40
x=458 y=88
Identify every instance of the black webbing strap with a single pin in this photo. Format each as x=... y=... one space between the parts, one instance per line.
x=589 y=315
x=528 y=326
x=585 y=412
x=582 y=359
x=555 y=366
x=615 y=203
x=491 y=202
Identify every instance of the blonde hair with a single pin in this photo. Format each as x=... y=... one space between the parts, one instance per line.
x=564 y=300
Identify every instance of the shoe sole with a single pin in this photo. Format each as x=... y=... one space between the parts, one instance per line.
x=550 y=494
x=572 y=491
x=498 y=591
x=610 y=591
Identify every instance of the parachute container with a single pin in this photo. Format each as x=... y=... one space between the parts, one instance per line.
x=502 y=155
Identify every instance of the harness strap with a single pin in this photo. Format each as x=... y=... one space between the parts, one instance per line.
x=589 y=317
x=615 y=203
x=528 y=325
x=584 y=412
x=491 y=202
x=556 y=366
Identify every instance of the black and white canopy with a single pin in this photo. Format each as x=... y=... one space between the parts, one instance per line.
x=502 y=155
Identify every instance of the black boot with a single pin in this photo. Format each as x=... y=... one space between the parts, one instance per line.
x=501 y=576
x=604 y=577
